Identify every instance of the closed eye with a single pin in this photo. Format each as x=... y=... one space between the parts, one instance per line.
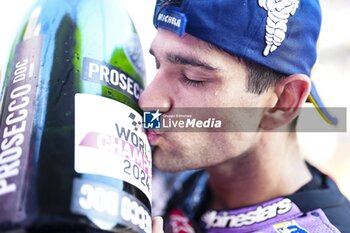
x=191 y=82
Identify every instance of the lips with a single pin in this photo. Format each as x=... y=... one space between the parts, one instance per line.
x=152 y=136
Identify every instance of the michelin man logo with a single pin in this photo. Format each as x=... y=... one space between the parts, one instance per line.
x=278 y=12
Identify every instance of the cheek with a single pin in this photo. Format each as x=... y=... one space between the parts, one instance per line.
x=244 y=119
x=230 y=145
x=207 y=149
x=185 y=144
x=183 y=151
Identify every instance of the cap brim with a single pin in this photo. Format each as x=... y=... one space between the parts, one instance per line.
x=315 y=99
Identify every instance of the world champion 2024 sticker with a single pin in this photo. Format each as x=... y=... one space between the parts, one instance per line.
x=109 y=141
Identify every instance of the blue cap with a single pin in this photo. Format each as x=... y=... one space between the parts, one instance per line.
x=279 y=34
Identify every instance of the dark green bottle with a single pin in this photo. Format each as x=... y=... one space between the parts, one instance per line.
x=74 y=156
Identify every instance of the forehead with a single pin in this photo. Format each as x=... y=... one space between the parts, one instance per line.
x=182 y=54
x=166 y=42
x=165 y=39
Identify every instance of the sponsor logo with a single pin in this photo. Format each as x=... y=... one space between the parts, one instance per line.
x=107 y=75
x=224 y=219
x=289 y=227
x=17 y=111
x=16 y=121
x=172 y=19
x=14 y=130
x=278 y=12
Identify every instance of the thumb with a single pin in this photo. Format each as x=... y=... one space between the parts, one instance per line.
x=157 y=225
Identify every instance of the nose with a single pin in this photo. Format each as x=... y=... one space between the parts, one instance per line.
x=156 y=95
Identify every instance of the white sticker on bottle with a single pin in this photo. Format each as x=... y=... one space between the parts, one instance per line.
x=110 y=141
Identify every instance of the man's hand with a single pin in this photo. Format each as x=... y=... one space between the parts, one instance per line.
x=157 y=225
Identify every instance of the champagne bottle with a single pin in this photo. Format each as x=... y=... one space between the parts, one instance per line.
x=73 y=154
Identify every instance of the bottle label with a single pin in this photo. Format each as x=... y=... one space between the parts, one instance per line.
x=108 y=75
x=17 y=114
x=107 y=206
x=110 y=141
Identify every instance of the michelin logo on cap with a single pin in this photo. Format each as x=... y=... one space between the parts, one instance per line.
x=278 y=13
x=172 y=19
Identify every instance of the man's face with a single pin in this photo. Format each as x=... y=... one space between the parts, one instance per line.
x=193 y=74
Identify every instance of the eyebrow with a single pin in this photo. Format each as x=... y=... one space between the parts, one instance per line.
x=184 y=60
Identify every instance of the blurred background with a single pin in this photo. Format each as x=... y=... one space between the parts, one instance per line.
x=328 y=151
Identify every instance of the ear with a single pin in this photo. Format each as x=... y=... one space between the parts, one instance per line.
x=291 y=93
